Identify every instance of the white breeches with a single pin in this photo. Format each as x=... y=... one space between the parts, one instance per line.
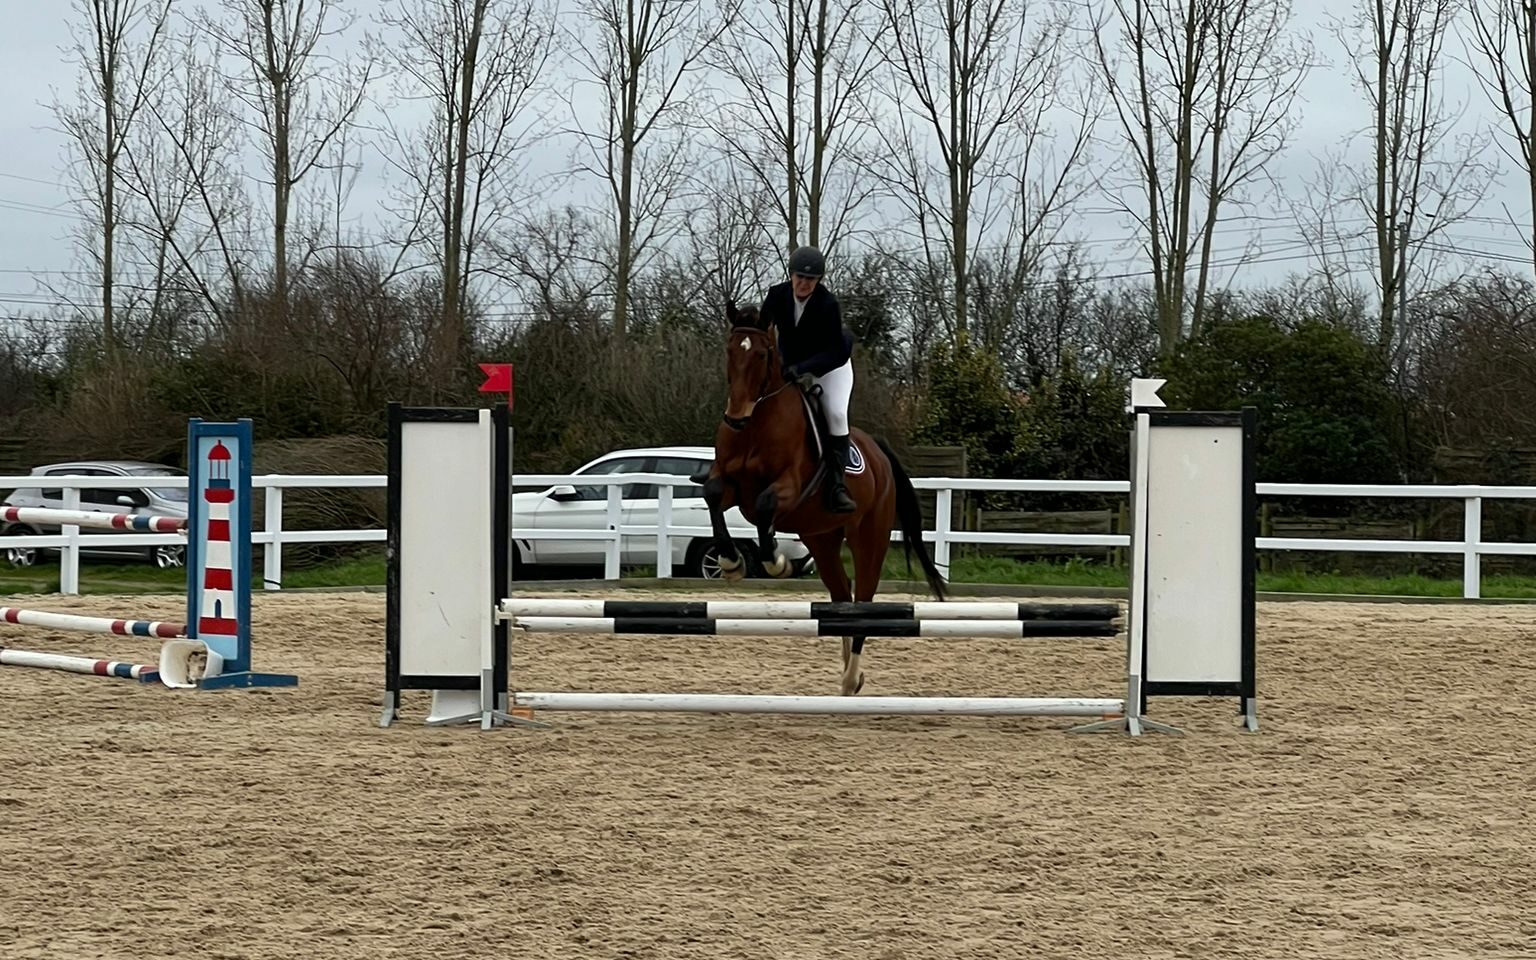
x=836 y=391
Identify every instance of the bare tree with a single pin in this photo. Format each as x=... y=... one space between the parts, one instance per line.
x=969 y=153
x=639 y=52
x=1419 y=180
x=1203 y=92
x=723 y=251
x=188 y=197
x=115 y=47
x=477 y=64
x=1504 y=37
x=804 y=70
x=559 y=259
x=298 y=97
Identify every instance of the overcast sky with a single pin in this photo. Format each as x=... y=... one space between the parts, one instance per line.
x=36 y=216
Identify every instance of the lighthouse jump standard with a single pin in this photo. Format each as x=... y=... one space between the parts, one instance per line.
x=219 y=555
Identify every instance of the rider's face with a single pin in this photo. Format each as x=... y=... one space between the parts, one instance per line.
x=802 y=286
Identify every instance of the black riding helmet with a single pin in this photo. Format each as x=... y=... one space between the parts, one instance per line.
x=806 y=262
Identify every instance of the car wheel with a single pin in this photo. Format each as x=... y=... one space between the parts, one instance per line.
x=22 y=556
x=170 y=556
x=709 y=560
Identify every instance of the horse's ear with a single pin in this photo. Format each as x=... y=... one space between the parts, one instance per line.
x=730 y=311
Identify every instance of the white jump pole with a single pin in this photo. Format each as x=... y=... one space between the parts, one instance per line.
x=861 y=706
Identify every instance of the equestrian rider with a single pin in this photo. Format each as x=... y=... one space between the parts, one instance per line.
x=815 y=347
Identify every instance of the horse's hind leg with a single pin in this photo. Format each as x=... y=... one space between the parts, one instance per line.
x=827 y=549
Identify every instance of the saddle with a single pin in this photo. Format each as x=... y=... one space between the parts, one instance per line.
x=817 y=422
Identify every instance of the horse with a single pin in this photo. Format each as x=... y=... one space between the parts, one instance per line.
x=766 y=463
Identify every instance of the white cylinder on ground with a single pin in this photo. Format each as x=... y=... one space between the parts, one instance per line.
x=184 y=662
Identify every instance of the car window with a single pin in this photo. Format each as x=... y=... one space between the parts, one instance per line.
x=607 y=467
x=110 y=497
x=57 y=493
x=683 y=467
x=174 y=494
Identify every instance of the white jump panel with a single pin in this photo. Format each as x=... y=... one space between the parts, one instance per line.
x=447 y=535
x=1195 y=557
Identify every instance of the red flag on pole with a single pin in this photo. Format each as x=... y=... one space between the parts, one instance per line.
x=498 y=379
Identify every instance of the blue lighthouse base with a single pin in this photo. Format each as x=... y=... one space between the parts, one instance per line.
x=246 y=679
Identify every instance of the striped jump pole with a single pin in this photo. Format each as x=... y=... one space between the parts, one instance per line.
x=806 y=610
x=827 y=627
x=143 y=672
x=69 y=621
x=88 y=518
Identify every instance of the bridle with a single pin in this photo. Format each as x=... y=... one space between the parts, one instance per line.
x=740 y=423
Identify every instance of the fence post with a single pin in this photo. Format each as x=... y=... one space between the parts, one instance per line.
x=69 y=557
x=1471 y=559
x=943 y=510
x=272 y=556
x=663 y=532
x=615 y=522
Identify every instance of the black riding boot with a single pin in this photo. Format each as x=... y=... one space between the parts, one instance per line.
x=838 y=500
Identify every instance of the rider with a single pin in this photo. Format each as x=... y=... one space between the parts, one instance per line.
x=815 y=346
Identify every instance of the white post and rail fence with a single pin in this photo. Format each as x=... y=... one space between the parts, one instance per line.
x=614 y=532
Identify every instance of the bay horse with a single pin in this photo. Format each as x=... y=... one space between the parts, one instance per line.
x=766 y=463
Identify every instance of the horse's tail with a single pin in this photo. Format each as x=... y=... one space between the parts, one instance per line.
x=909 y=513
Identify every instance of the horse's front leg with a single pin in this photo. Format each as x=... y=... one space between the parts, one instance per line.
x=776 y=498
x=719 y=500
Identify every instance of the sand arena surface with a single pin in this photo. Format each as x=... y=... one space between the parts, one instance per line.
x=1383 y=810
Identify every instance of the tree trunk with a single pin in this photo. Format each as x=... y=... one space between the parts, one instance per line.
x=624 y=267
x=818 y=126
x=959 y=170
x=1386 y=252
x=1184 y=179
x=109 y=202
x=791 y=165
x=453 y=333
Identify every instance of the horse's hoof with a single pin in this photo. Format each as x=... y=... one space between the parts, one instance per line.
x=857 y=686
x=732 y=569
x=779 y=566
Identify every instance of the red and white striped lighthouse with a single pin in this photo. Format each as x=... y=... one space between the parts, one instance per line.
x=219 y=613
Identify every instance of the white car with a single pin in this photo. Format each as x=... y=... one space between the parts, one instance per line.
x=567 y=507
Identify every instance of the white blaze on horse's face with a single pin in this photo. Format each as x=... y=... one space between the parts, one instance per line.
x=746 y=343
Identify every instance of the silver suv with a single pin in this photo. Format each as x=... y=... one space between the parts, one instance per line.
x=148 y=500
